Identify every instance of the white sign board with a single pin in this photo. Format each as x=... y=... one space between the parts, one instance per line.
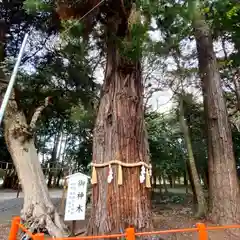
x=76 y=197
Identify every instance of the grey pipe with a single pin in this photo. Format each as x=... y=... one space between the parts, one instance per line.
x=12 y=79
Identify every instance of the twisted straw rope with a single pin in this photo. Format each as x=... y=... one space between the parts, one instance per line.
x=137 y=164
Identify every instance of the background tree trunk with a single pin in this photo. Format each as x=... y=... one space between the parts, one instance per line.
x=53 y=163
x=160 y=185
x=190 y=177
x=120 y=133
x=201 y=202
x=165 y=185
x=206 y=178
x=223 y=183
x=10 y=179
x=185 y=180
x=236 y=81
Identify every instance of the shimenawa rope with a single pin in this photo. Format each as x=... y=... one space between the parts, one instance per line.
x=120 y=173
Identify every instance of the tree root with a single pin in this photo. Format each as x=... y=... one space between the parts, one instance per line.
x=39 y=218
x=82 y=232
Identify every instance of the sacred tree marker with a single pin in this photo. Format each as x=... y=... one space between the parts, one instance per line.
x=76 y=197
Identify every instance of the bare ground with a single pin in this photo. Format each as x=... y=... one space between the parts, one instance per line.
x=178 y=217
x=170 y=218
x=166 y=216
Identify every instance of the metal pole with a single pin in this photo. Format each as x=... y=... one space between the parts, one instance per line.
x=12 y=79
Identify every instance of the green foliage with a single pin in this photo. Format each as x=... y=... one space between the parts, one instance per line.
x=35 y=6
x=165 y=143
x=233 y=12
x=72 y=28
x=132 y=48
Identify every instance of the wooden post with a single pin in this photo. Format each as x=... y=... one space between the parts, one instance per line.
x=203 y=234
x=61 y=210
x=73 y=228
x=130 y=233
x=38 y=236
x=14 y=228
x=18 y=190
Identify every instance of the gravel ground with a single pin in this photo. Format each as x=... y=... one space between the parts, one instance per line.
x=12 y=207
x=4 y=231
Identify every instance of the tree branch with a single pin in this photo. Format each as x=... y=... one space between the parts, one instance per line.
x=37 y=113
x=42 y=46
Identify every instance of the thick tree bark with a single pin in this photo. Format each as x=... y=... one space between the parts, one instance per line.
x=201 y=202
x=38 y=211
x=120 y=133
x=223 y=183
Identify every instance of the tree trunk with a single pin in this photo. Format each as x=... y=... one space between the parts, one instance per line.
x=153 y=186
x=206 y=178
x=236 y=81
x=120 y=133
x=185 y=181
x=190 y=177
x=170 y=179
x=53 y=163
x=179 y=180
x=165 y=185
x=201 y=207
x=223 y=183
x=38 y=211
x=173 y=181
x=58 y=178
x=160 y=185
x=154 y=182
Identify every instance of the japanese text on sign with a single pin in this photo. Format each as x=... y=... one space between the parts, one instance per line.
x=76 y=197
